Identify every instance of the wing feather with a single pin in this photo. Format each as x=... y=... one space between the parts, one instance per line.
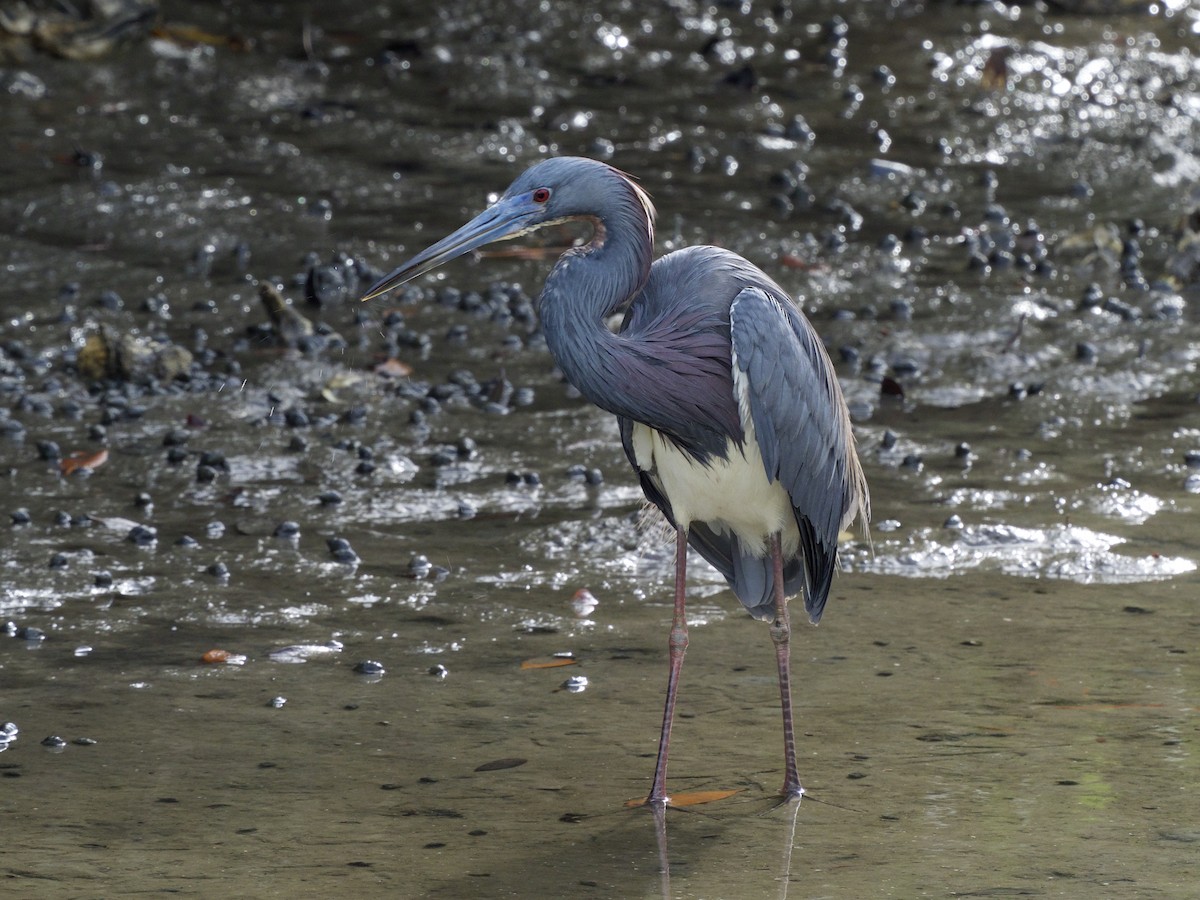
x=802 y=427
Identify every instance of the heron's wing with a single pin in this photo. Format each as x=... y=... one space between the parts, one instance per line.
x=787 y=391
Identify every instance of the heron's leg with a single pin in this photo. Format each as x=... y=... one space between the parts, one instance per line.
x=781 y=632
x=678 y=646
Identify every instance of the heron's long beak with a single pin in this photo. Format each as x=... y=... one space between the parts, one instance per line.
x=507 y=218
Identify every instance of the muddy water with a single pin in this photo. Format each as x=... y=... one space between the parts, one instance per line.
x=1002 y=696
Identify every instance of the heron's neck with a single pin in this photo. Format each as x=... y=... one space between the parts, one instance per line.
x=586 y=287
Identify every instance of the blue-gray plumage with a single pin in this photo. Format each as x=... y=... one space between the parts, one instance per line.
x=729 y=409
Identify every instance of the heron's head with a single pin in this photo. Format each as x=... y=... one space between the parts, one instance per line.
x=552 y=191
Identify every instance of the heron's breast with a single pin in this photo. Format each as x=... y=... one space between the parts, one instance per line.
x=730 y=495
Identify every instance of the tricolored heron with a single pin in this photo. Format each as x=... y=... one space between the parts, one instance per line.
x=728 y=406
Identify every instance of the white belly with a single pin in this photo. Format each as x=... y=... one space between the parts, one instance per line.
x=730 y=495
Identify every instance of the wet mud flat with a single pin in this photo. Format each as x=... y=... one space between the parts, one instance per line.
x=382 y=515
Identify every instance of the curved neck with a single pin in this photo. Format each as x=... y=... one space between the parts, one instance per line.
x=593 y=282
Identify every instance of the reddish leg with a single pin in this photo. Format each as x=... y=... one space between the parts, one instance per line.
x=678 y=646
x=781 y=632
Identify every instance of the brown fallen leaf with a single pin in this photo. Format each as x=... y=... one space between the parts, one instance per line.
x=189 y=35
x=81 y=460
x=496 y=765
x=689 y=798
x=215 y=656
x=393 y=368
x=551 y=663
x=535 y=253
x=789 y=261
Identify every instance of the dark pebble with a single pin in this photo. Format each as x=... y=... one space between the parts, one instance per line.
x=143 y=500
x=49 y=451
x=326 y=284
x=53 y=741
x=369 y=667
x=59 y=561
x=443 y=458
x=287 y=529
x=187 y=542
x=21 y=516
x=329 y=498
x=214 y=459
x=103 y=579
x=205 y=474
x=594 y=477
x=439 y=671
x=85 y=742
x=296 y=418
x=218 y=570
x=419 y=566
x=62 y=519
x=142 y=535
x=29 y=633
x=341 y=550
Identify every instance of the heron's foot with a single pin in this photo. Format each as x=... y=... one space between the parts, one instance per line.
x=792 y=790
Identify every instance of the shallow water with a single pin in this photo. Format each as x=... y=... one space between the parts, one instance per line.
x=1001 y=698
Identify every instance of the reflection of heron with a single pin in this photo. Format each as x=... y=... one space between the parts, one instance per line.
x=729 y=408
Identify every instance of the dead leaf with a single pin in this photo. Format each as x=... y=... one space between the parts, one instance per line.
x=393 y=368
x=553 y=662
x=788 y=261
x=690 y=798
x=496 y=765
x=80 y=460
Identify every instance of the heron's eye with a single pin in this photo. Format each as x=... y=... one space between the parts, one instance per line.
x=541 y=195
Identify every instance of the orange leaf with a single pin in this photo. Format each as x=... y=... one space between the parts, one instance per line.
x=551 y=663
x=788 y=261
x=534 y=253
x=215 y=656
x=690 y=798
x=393 y=368
x=80 y=460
